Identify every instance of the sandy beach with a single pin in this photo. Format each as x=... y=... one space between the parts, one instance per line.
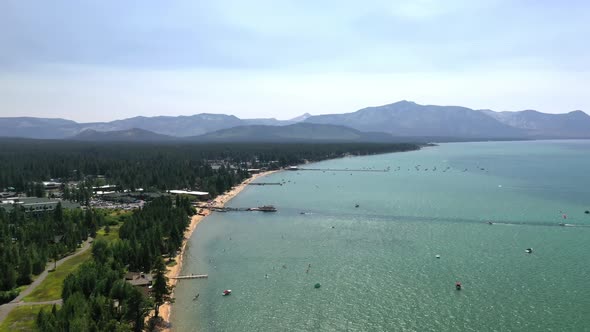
x=174 y=271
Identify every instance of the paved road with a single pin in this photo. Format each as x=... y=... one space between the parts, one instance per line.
x=6 y=308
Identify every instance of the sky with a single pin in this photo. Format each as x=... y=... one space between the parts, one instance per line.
x=104 y=60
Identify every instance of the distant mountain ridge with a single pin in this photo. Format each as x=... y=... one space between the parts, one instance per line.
x=179 y=126
x=298 y=132
x=29 y=127
x=400 y=119
x=129 y=135
x=574 y=124
x=171 y=125
x=406 y=118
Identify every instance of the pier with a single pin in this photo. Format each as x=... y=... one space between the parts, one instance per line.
x=226 y=209
x=265 y=184
x=266 y=208
x=343 y=170
x=191 y=276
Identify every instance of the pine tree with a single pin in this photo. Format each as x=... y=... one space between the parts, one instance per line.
x=24 y=271
x=161 y=290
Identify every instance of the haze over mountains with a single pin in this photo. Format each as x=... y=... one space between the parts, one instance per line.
x=298 y=132
x=391 y=122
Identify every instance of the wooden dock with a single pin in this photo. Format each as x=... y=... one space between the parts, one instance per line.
x=231 y=209
x=226 y=209
x=343 y=170
x=265 y=184
x=191 y=276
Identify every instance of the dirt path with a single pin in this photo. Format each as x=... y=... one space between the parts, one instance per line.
x=6 y=308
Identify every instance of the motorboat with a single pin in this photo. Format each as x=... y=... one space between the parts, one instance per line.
x=226 y=292
x=458 y=285
x=529 y=250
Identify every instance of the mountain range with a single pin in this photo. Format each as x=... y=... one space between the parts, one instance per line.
x=298 y=132
x=402 y=119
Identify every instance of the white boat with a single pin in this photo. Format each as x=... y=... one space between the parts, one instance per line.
x=226 y=292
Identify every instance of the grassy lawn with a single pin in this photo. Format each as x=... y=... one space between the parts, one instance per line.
x=115 y=216
x=22 y=288
x=23 y=318
x=112 y=235
x=50 y=289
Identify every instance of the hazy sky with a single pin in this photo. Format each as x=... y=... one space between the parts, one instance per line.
x=103 y=60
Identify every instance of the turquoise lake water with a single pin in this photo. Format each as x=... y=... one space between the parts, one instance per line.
x=376 y=263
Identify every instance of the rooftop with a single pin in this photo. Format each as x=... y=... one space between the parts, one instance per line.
x=185 y=192
x=138 y=279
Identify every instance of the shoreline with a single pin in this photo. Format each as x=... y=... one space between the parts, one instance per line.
x=219 y=201
x=174 y=271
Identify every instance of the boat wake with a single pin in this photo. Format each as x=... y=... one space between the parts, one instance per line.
x=401 y=218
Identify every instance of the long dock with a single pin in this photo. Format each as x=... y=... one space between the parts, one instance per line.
x=343 y=170
x=230 y=209
x=191 y=276
x=226 y=209
x=265 y=184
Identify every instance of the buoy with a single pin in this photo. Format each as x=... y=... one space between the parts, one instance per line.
x=317 y=285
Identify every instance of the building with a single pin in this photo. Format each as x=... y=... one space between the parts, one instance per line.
x=201 y=195
x=51 y=185
x=106 y=188
x=36 y=205
x=7 y=194
x=139 y=279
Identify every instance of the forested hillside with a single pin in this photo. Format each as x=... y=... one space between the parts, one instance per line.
x=160 y=166
x=28 y=241
x=97 y=298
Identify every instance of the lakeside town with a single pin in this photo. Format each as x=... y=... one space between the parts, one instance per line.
x=47 y=194
x=121 y=216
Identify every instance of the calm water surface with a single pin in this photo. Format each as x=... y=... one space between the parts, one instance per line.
x=376 y=263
